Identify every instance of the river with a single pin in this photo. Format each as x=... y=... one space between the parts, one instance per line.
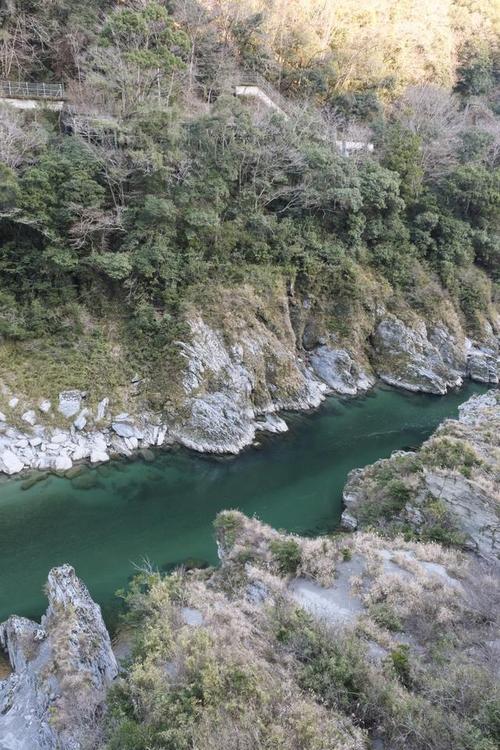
x=163 y=511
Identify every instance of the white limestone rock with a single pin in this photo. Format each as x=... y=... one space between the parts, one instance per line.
x=272 y=423
x=45 y=406
x=124 y=416
x=125 y=430
x=162 y=432
x=70 y=403
x=10 y=463
x=98 y=456
x=217 y=425
x=13 y=402
x=59 y=437
x=80 y=452
x=29 y=417
x=42 y=462
x=102 y=408
x=81 y=419
x=63 y=462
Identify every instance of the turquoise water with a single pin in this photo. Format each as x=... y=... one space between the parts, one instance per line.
x=163 y=511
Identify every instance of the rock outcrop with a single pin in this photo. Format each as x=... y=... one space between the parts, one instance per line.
x=247 y=355
x=340 y=371
x=448 y=489
x=229 y=384
x=62 y=668
x=417 y=359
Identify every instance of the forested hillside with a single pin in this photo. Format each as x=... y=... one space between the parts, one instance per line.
x=156 y=184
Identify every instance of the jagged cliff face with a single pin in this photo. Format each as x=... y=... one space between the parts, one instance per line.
x=242 y=364
x=247 y=355
x=256 y=354
x=450 y=487
x=62 y=667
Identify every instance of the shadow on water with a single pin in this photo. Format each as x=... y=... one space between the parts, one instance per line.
x=105 y=520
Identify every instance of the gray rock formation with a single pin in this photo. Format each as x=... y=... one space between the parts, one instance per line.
x=458 y=468
x=10 y=463
x=70 y=403
x=229 y=385
x=483 y=363
x=54 y=698
x=416 y=360
x=244 y=361
x=476 y=511
x=339 y=370
x=125 y=430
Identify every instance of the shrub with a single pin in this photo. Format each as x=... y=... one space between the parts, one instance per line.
x=227 y=524
x=287 y=555
x=440 y=525
x=400 y=660
x=449 y=453
x=385 y=616
x=346 y=554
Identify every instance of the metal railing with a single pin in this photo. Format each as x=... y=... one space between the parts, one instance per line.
x=29 y=90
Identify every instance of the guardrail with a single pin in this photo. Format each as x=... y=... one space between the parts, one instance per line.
x=29 y=90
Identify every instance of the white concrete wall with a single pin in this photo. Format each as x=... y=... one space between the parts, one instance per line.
x=257 y=93
x=56 y=106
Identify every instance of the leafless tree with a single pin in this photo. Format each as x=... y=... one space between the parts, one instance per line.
x=18 y=139
x=17 y=48
x=434 y=114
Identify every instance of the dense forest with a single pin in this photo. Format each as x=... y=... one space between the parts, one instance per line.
x=156 y=180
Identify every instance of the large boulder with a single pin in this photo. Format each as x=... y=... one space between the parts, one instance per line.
x=125 y=430
x=62 y=668
x=416 y=359
x=70 y=403
x=483 y=362
x=10 y=463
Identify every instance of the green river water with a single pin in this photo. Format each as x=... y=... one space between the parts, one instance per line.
x=163 y=511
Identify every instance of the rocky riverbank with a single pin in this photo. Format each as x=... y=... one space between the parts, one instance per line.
x=241 y=363
x=448 y=490
x=325 y=642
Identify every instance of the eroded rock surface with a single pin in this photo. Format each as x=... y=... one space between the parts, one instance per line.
x=235 y=373
x=340 y=371
x=416 y=359
x=54 y=698
x=245 y=356
x=449 y=487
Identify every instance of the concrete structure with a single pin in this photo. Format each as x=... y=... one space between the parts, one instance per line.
x=256 y=87
x=31 y=95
